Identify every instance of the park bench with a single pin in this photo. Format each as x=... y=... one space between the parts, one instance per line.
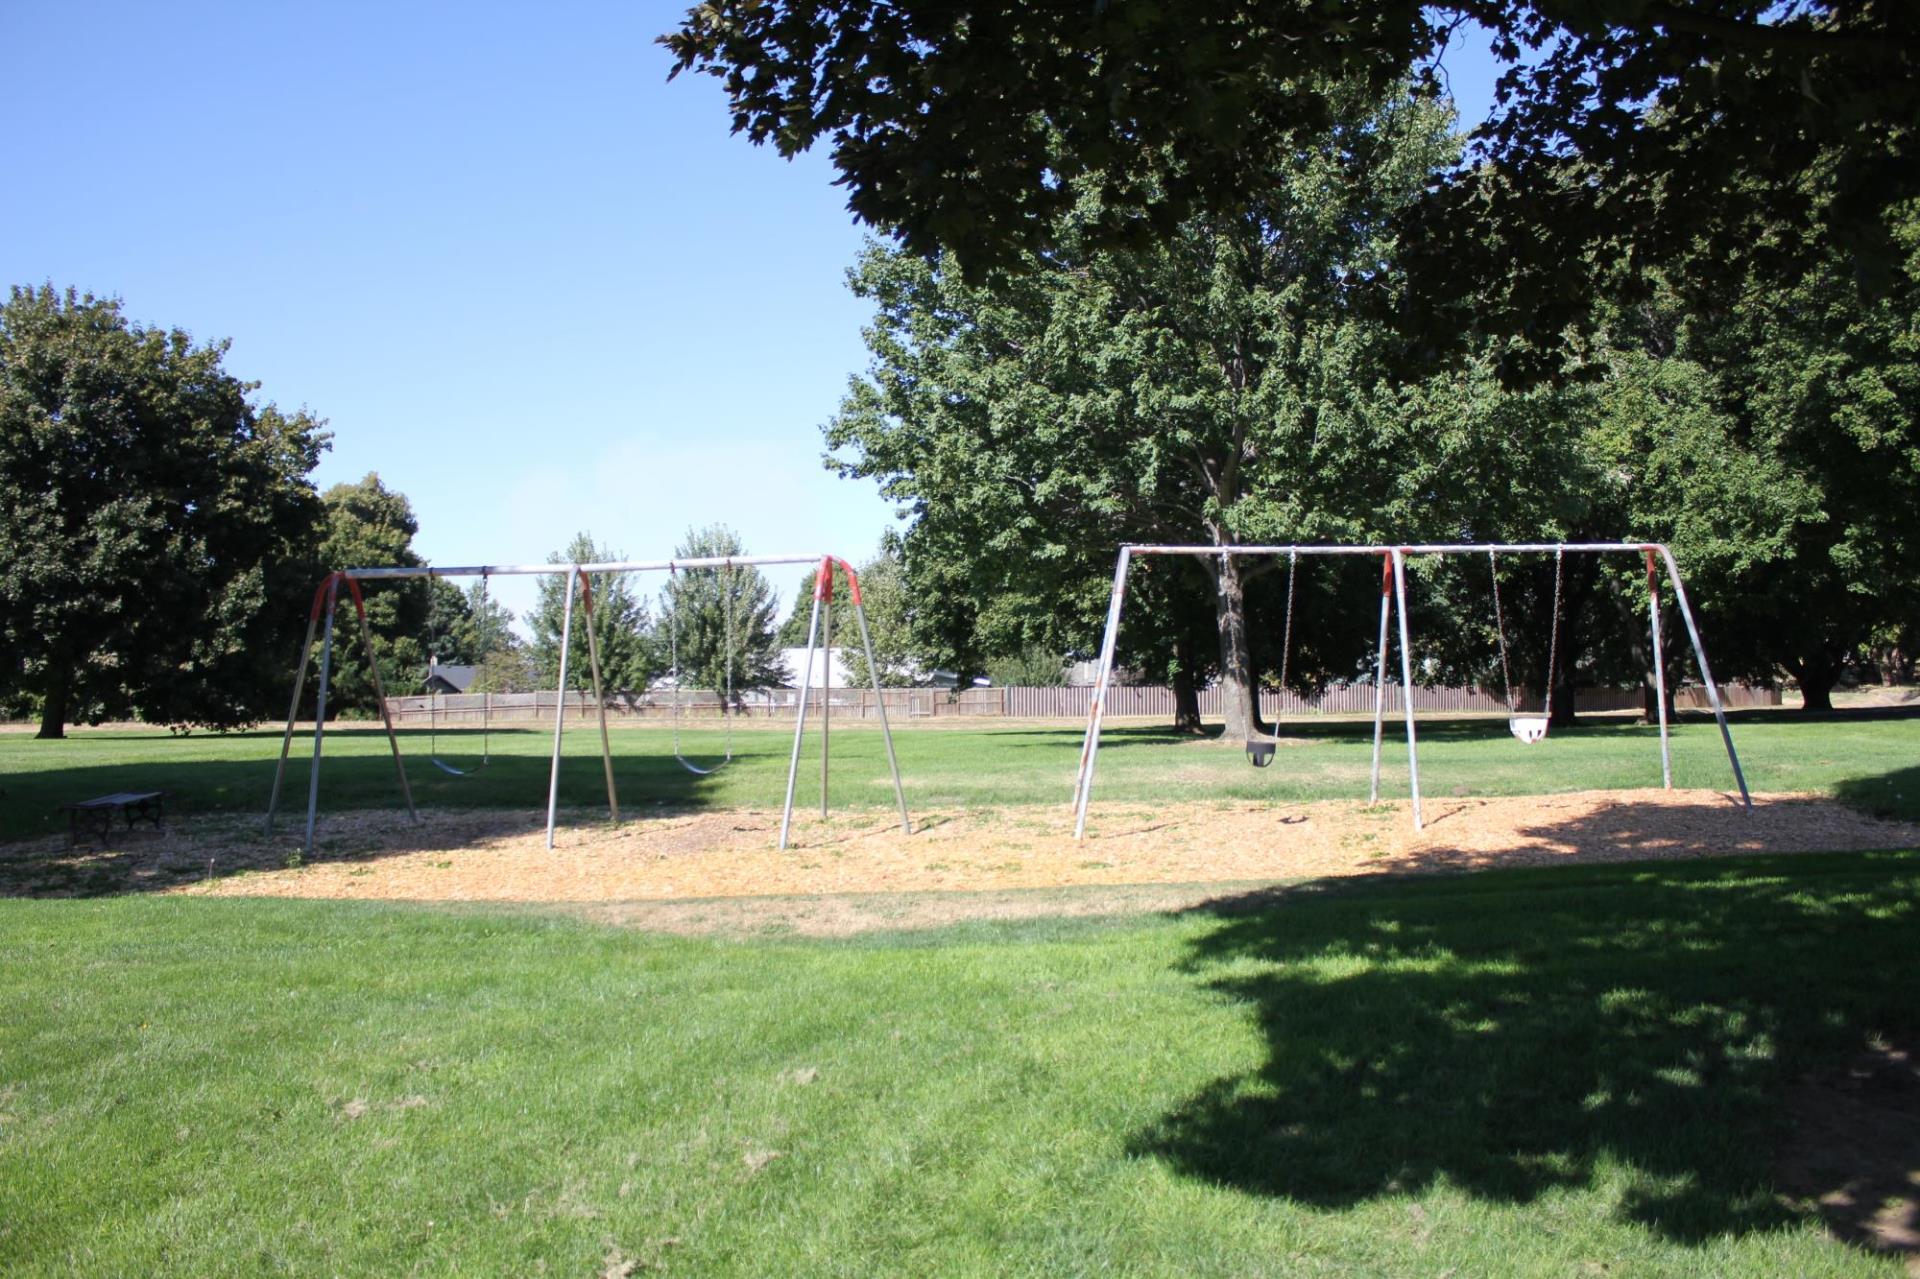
x=94 y=817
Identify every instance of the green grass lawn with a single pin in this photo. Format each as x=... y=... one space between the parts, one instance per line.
x=1565 y=1072
x=1868 y=761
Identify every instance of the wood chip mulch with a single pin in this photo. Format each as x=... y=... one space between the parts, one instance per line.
x=501 y=856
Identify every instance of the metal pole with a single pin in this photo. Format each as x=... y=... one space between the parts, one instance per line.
x=1406 y=683
x=1659 y=673
x=800 y=720
x=599 y=697
x=826 y=690
x=1380 y=674
x=880 y=701
x=1706 y=675
x=560 y=707
x=1090 y=746
x=293 y=708
x=380 y=694
x=320 y=711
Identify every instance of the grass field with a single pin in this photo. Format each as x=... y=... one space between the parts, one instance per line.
x=1871 y=762
x=1566 y=1072
x=1574 y=1071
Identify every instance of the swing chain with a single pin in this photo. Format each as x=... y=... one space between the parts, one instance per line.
x=726 y=708
x=1553 y=641
x=1286 y=642
x=486 y=693
x=673 y=649
x=1500 y=629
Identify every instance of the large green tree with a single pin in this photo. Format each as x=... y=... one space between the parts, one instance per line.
x=1825 y=377
x=158 y=530
x=1623 y=130
x=1221 y=386
x=630 y=653
x=464 y=627
x=719 y=622
x=372 y=526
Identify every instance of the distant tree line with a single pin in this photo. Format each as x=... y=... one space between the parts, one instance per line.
x=161 y=538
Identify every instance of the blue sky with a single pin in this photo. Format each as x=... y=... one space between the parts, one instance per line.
x=534 y=286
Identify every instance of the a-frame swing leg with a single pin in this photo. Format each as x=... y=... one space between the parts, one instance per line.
x=1097 y=707
x=293 y=707
x=806 y=690
x=826 y=690
x=599 y=696
x=1406 y=683
x=1659 y=673
x=380 y=693
x=1706 y=675
x=320 y=711
x=560 y=706
x=1380 y=674
x=879 y=698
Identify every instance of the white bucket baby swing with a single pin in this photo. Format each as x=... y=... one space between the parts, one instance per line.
x=1528 y=728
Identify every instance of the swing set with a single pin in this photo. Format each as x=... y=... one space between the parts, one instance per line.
x=321 y=619
x=1527 y=728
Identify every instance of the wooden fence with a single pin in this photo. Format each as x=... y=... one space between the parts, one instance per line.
x=467 y=710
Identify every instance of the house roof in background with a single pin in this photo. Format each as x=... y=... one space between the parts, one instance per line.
x=458 y=678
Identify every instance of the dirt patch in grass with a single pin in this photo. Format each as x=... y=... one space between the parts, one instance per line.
x=502 y=857
x=1853 y=1156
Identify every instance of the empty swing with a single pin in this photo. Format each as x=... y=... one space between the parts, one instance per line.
x=486 y=707
x=1528 y=728
x=1260 y=749
x=679 y=698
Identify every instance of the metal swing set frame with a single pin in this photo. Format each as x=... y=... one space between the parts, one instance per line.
x=1393 y=601
x=326 y=599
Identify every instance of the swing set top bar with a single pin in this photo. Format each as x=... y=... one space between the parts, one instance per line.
x=609 y=566
x=1428 y=548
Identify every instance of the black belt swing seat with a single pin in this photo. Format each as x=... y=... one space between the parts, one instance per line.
x=1260 y=749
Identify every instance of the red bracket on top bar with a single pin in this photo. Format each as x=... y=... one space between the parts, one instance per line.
x=823 y=579
x=353 y=589
x=1386 y=575
x=320 y=596
x=853 y=583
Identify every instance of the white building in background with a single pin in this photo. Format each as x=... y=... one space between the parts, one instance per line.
x=832 y=673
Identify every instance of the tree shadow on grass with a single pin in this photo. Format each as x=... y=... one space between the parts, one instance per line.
x=1894 y=794
x=1515 y=1034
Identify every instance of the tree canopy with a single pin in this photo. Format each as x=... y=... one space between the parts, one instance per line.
x=622 y=625
x=1224 y=385
x=158 y=531
x=719 y=621
x=372 y=526
x=1624 y=134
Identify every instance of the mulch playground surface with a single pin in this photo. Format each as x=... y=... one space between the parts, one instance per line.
x=718 y=870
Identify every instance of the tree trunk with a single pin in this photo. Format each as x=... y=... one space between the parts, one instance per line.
x=1239 y=695
x=1816 y=674
x=1186 y=692
x=53 y=705
x=1816 y=691
x=1564 y=692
